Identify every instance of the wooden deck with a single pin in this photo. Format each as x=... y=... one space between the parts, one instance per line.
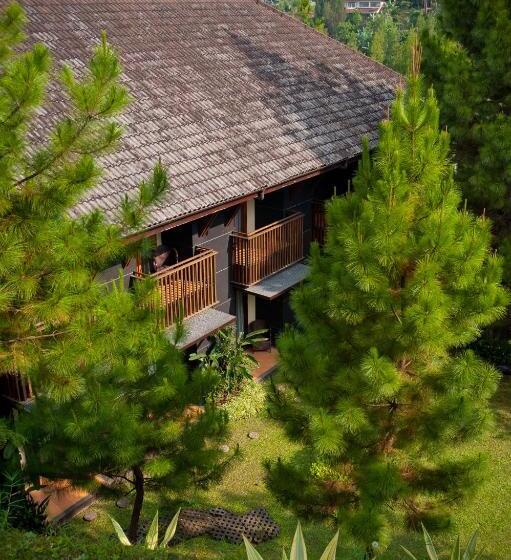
x=65 y=502
x=267 y=250
x=268 y=360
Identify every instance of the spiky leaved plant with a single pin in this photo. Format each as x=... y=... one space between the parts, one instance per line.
x=470 y=553
x=298 y=548
x=151 y=539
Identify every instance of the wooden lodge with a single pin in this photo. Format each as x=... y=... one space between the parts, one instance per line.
x=258 y=119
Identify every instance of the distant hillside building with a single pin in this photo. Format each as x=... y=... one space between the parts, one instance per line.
x=364 y=6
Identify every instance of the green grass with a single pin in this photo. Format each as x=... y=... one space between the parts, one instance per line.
x=243 y=488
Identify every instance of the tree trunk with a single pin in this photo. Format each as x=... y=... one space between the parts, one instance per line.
x=137 y=506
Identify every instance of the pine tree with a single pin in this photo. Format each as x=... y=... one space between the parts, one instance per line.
x=467 y=59
x=377 y=50
x=49 y=261
x=111 y=391
x=132 y=417
x=377 y=383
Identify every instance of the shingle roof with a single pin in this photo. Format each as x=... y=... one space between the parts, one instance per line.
x=231 y=94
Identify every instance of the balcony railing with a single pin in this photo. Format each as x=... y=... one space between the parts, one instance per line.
x=188 y=287
x=15 y=386
x=265 y=251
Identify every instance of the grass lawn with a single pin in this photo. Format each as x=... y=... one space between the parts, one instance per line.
x=244 y=488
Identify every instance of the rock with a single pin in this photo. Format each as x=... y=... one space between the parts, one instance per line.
x=253 y=435
x=90 y=516
x=123 y=502
x=193 y=411
x=224 y=448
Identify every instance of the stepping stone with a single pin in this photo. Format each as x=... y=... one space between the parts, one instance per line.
x=224 y=448
x=123 y=502
x=90 y=516
x=253 y=435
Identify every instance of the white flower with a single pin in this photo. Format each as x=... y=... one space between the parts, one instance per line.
x=375 y=545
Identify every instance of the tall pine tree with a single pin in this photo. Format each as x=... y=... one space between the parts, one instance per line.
x=377 y=382
x=467 y=59
x=110 y=390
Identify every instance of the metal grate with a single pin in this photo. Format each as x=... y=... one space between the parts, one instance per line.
x=221 y=525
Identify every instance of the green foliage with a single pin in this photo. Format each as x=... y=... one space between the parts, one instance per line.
x=65 y=546
x=17 y=507
x=379 y=386
x=467 y=59
x=227 y=361
x=111 y=392
x=305 y=10
x=456 y=553
x=387 y=37
x=151 y=540
x=248 y=403
x=331 y=12
x=298 y=548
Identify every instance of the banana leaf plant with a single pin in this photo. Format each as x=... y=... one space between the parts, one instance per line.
x=298 y=548
x=151 y=539
x=228 y=361
x=470 y=552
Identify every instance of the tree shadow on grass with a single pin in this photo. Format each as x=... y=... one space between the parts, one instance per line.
x=502 y=408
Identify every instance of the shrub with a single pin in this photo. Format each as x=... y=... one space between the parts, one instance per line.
x=248 y=403
x=228 y=362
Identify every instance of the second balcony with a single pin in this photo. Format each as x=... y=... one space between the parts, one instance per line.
x=267 y=250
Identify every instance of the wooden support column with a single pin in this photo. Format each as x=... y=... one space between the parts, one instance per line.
x=250 y=227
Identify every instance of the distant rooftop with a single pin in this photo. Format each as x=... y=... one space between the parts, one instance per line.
x=232 y=95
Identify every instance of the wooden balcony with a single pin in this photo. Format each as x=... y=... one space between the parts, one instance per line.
x=267 y=250
x=318 y=222
x=188 y=287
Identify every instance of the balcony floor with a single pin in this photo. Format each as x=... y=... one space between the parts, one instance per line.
x=279 y=283
x=201 y=325
x=268 y=360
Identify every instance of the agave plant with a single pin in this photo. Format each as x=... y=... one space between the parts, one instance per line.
x=151 y=539
x=298 y=548
x=456 y=553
